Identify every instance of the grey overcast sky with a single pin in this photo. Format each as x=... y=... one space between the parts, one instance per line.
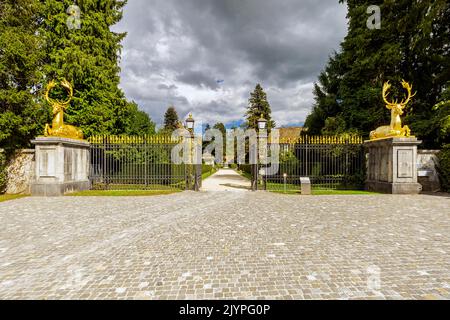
x=205 y=56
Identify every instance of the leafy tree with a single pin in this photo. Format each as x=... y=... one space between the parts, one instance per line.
x=171 y=119
x=444 y=167
x=88 y=57
x=37 y=45
x=21 y=56
x=139 y=122
x=221 y=127
x=327 y=98
x=206 y=143
x=259 y=107
x=334 y=125
x=441 y=119
x=412 y=44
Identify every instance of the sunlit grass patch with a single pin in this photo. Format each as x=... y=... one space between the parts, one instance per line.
x=7 y=197
x=121 y=193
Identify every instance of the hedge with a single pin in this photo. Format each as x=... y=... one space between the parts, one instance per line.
x=444 y=168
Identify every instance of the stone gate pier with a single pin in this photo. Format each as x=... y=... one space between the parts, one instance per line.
x=392 y=165
x=61 y=166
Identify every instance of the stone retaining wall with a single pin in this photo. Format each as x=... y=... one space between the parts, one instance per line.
x=20 y=171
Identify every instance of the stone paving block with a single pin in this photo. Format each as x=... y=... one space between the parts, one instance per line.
x=230 y=245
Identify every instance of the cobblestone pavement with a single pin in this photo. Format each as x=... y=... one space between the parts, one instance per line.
x=226 y=245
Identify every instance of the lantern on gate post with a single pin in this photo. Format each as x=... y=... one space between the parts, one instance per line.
x=262 y=123
x=190 y=123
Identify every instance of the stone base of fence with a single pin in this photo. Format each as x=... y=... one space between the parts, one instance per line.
x=392 y=166
x=61 y=166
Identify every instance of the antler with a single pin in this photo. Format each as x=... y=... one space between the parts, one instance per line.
x=408 y=87
x=386 y=88
x=65 y=84
x=50 y=86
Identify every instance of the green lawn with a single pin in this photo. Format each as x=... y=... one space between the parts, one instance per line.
x=317 y=190
x=121 y=193
x=342 y=192
x=245 y=174
x=208 y=174
x=322 y=192
x=7 y=197
x=139 y=187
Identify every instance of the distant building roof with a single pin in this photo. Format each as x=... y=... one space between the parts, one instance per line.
x=290 y=132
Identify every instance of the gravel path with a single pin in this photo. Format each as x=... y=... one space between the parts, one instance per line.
x=226 y=180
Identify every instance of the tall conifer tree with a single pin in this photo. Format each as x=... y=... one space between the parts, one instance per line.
x=88 y=56
x=21 y=56
x=171 y=119
x=259 y=107
x=412 y=44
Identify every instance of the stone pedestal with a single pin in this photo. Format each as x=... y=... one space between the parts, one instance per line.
x=62 y=165
x=306 y=186
x=392 y=167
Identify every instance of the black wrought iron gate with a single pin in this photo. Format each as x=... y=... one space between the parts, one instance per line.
x=139 y=163
x=330 y=163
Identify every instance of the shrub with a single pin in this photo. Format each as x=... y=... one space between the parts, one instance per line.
x=444 y=168
x=247 y=168
x=207 y=168
x=233 y=166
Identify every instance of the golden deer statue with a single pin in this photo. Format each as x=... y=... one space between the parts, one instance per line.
x=58 y=128
x=395 y=129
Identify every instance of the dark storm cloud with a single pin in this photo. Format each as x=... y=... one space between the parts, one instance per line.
x=198 y=79
x=177 y=51
x=163 y=86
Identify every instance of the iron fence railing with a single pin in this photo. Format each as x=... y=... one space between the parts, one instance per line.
x=128 y=162
x=329 y=162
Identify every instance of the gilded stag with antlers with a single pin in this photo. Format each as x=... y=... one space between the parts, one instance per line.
x=58 y=128
x=395 y=129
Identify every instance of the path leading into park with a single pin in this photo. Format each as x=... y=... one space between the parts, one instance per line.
x=226 y=180
x=242 y=245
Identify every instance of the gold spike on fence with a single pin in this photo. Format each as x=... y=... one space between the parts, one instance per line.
x=160 y=139
x=321 y=140
x=122 y=139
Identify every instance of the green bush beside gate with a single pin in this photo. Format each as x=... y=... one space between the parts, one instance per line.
x=444 y=168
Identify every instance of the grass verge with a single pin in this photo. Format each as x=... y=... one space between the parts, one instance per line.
x=342 y=192
x=320 y=192
x=245 y=174
x=7 y=197
x=121 y=193
x=208 y=174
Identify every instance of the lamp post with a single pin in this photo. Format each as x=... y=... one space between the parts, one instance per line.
x=190 y=125
x=262 y=125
